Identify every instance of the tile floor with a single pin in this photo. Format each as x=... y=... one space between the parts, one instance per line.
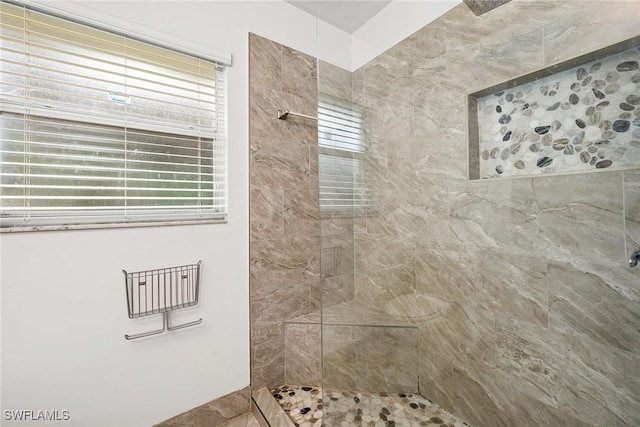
x=307 y=407
x=244 y=420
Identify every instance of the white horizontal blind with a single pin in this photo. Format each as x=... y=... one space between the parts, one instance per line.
x=342 y=159
x=98 y=128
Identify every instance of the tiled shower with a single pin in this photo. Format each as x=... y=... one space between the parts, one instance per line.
x=505 y=301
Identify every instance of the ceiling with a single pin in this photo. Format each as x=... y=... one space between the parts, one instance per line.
x=346 y=15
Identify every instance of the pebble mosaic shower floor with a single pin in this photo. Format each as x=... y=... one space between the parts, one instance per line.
x=306 y=408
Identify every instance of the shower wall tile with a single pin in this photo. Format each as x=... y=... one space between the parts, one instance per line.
x=435 y=374
x=300 y=75
x=264 y=104
x=529 y=359
x=284 y=261
x=267 y=207
x=303 y=354
x=540 y=316
x=387 y=359
x=276 y=165
x=449 y=275
x=632 y=210
x=474 y=401
x=600 y=385
x=587 y=26
x=301 y=213
x=387 y=80
x=337 y=290
x=581 y=216
x=490 y=279
x=384 y=268
x=487 y=399
x=334 y=82
x=292 y=300
x=502 y=214
x=371 y=359
x=267 y=357
x=284 y=253
x=265 y=59
x=514 y=51
x=429 y=119
x=339 y=348
x=587 y=305
x=517 y=284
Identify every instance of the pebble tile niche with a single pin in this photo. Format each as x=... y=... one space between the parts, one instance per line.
x=586 y=117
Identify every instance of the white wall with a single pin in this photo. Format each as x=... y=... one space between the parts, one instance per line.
x=63 y=302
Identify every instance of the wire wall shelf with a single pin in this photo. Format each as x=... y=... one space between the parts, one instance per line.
x=162 y=291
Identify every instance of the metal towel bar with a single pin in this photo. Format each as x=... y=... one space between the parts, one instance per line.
x=161 y=291
x=283 y=114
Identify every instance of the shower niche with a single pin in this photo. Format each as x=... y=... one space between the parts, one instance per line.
x=575 y=116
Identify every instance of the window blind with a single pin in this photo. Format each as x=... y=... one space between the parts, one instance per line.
x=342 y=159
x=96 y=127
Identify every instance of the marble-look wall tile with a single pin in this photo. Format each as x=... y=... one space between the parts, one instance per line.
x=513 y=284
x=284 y=261
x=600 y=384
x=542 y=307
x=473 y=400
x=429 y=117
x=267 y=213
x=499 y=58
x=387 y=359
x=488 y=399
x=435 y=374
x=585 y=304
x=267 y=355
x=516 y=283
x=387 y=80
x=531 y=360
x=450 y=275
x=581 y=215
x=586 y=26
x=334 y=81
x=337 y=289
x=284 y=253
x=291 y=300
x=371 y=359
x=301 y=213
x=276 y=166
x=300 y=75
x=464 y=334
x=263 y=108
x=384 y=268
x=265 y=59
x=632 y=210
x=497 y=214
x=339 y=345
x=303 y=354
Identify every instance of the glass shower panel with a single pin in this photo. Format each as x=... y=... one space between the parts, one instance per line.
x=369 y=349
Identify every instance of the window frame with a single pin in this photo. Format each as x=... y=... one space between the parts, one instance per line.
x=218 y=58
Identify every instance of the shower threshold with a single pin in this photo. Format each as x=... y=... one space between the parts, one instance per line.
x=307 y=407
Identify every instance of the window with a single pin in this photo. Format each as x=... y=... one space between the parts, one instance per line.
x=97 y=127
x=342 y=159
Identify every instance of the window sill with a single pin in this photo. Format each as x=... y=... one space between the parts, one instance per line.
x=110 y=225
